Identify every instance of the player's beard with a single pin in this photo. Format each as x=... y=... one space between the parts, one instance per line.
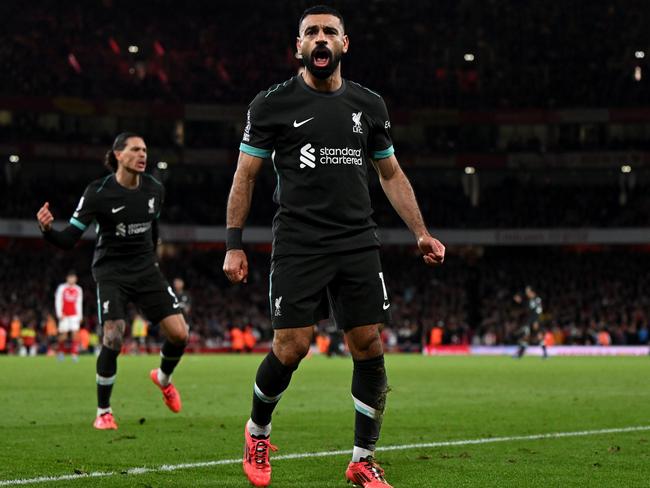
x=322 y=73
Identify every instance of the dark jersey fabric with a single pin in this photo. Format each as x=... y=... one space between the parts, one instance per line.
x=124 y=221
x=320 y=145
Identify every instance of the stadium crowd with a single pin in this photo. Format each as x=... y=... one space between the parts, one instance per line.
x=445 y=199
x=586 y=295
x=499 y=53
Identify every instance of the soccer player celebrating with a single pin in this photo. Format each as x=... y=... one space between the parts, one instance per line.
x=321 y=130
x=68 y=302
x=126 y=206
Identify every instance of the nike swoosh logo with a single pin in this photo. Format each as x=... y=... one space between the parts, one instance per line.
x=298 y=124
x=176 y=305
x=115 y=210
x=386 y=305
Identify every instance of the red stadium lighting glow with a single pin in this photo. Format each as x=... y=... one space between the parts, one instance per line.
x=115 y=47
x=158 y=48
x=72 y=60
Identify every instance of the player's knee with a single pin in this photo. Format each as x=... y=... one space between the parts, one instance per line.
x=291 y=352
x=366 y=345
x=179 y=336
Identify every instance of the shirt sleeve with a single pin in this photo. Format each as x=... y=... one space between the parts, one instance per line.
x=380 y=144
x=259 y=134
x=85 y=212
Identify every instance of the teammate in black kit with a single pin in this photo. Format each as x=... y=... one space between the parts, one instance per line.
x=125 y=206
x=531 y=332
x=321 y=131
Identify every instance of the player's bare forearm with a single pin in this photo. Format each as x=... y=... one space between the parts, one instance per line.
x=241 y=191
x=400 y=193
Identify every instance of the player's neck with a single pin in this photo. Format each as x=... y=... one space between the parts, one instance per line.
x=330 y=84
x=127 y=179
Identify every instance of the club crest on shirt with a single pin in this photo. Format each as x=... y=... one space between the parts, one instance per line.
x=278 y=310
x=357 y=127
x=152 y=201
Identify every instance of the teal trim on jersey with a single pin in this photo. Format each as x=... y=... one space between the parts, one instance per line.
x=276 y=87
x=271 y=291
x=364 y=88
x=277 y=175
x=101 y=187
x=77 y=224
x=383 y=154
x=254 y=151
x=153 y=178
x=99 y=309
x=158 y=215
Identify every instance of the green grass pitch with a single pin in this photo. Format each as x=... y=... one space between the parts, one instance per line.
x=47 y=408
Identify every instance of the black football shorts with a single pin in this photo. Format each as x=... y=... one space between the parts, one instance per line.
x=149 y=291
x=304 y=288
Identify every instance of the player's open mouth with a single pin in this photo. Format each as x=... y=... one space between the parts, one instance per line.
x=321 y=57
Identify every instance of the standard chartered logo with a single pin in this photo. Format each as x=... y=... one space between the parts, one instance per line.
x=307 y=157
x=329 y=155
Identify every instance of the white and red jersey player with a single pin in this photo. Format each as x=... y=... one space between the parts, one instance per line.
x=68 y=301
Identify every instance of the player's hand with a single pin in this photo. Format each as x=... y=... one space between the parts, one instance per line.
x=236 y=266
x=433 y=251
x=45 y=217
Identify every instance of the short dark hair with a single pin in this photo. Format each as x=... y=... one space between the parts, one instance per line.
x=110 y=161
x=318 y=10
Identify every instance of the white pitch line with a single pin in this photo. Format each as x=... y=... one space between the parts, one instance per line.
x=207 y=464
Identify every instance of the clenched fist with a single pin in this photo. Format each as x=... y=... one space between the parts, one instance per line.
x=45 y=217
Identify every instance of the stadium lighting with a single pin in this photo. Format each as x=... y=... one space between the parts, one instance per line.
x=133 y=49
x=162 y=165
x=469 y=57
x=639 y=54
x=626 y=168
x=638 y=74
x=14 y=158
x=470 y=170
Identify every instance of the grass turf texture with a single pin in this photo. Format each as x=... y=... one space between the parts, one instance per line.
x=47 y=408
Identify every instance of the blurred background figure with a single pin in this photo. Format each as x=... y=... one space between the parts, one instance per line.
x=68 y=301
x=184 y=298
x=139 y=330
x=530 y=332
x=51 y=333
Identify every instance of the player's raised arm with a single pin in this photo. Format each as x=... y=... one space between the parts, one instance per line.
x=65 y=239
x=400 y=193
x=235 y=265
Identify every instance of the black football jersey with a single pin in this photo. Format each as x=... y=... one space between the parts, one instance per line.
x=124 y=219
x=320 y=145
